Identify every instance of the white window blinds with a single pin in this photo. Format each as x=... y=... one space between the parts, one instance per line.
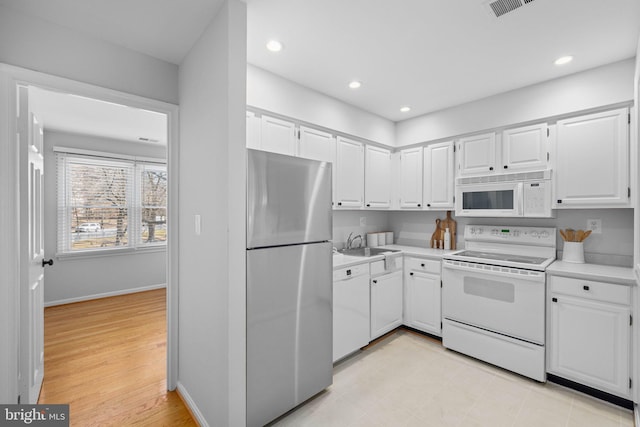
x=107 y=204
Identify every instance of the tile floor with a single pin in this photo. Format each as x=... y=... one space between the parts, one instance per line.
x=407 y=379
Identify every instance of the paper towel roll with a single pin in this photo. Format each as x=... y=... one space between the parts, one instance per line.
x=372 y=240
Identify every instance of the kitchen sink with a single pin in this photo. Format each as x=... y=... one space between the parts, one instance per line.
x=367 y=252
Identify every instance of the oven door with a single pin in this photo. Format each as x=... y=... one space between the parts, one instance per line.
x=505 y=300
x=493 y=199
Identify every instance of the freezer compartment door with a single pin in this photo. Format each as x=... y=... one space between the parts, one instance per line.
x=288 y=200
x=289 y=328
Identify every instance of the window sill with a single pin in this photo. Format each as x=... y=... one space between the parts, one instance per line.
x=99 y=253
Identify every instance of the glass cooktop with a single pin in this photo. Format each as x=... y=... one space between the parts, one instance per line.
x=522 y=259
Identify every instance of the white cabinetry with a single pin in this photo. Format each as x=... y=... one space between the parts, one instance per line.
x=525 y=148
x=422 y=295
x=589 y=333
x=438 y=176
x=278 y=136
x=477 y=154
x=350 y=310
x=377 y=181
x=592 y=160
x=386 y=303
x=318 y=145
x=349 y=173
x=411 y=178
x=253 y=131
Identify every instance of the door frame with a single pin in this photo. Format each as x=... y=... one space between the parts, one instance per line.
x=10 y=217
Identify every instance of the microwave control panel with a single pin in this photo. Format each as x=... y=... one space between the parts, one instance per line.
x=537 y=199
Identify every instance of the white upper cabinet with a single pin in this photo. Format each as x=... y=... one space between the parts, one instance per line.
x=411 y=178
x=592 y=160
x=349 y=173
x=477 y=154
x=253 y=131
x=438 y=176
x=525 y=148
x=278 y=136
x=377 y=181
x=319 y=145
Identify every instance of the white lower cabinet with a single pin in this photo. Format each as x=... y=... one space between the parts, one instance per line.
x=386 y=303
x=422 y=304
x=589 y=333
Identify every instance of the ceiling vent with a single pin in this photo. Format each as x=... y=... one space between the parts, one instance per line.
x=502 y=7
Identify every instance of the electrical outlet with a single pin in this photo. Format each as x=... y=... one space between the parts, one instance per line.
x=595 y=225
x=363 y=221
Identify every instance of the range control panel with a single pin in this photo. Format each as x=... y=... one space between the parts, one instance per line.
x=539 y=236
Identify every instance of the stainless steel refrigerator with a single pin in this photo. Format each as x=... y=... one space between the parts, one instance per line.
x=289 y=283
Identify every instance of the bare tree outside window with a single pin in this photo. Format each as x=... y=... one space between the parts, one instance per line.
x=154 y=205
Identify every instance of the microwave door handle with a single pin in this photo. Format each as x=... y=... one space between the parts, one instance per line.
x=520 y=199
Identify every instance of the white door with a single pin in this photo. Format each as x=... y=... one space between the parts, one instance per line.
x=589 y=343
x=377 y=178
x=278 y=136
x=386 y=303
x=438 y=176
x=525 y=148
x=349 y=173
x=592 y=160
x=31 y=359
x=411 y=178
x=423 y=302
x=477 y=154
x=318 y=145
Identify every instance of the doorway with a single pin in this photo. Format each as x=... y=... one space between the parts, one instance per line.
x=61 y=87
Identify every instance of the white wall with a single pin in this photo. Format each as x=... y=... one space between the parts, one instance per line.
x=212 y=175
x=39 y=45
x=614 y=246
x=273 y=93
x=606 y=85
x=72 y=279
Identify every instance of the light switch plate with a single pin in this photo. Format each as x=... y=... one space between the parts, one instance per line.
x=198 y=224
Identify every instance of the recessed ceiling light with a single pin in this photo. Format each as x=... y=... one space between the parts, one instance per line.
x=355 y=84
x=274 y=45
x=405 y=109
x=563 y=60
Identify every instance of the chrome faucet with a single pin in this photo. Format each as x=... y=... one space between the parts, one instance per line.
x=351 y=240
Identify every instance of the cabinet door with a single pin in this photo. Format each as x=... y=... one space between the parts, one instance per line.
x=423 y=302
x=349 y=173
x=525 y=148
x=477 y=154
x=278 y=136
x=411 y=178
x=377 y=181
x=253 y=131
x=351 y=315
x=438 y=176
x=592 y=160
x=589 y=343
x=386 y=303
x=318 y=145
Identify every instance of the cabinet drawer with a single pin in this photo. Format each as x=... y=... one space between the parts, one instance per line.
x=425 y=265
x=600 y=291
x=349 y=272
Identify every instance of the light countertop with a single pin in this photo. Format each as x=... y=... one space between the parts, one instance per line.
x=605 y=273
x=341 y=260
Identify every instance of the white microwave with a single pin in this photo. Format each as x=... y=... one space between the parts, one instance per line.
x=526 y=194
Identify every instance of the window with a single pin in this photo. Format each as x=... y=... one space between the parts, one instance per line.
x=107 y=204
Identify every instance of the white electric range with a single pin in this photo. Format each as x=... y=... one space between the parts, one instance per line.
x=493 y=296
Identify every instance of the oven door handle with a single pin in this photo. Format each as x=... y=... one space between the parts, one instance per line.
x=534 y=276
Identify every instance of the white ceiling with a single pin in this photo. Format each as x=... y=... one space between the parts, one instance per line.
x=428 y=54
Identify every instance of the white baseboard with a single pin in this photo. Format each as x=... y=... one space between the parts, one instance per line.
x=186 y=397
x=104 y=295
x=636 y=415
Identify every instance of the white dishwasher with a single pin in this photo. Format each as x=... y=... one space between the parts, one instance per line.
x=350 y=309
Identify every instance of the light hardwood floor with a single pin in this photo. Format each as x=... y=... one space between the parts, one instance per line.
x=107 y=359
